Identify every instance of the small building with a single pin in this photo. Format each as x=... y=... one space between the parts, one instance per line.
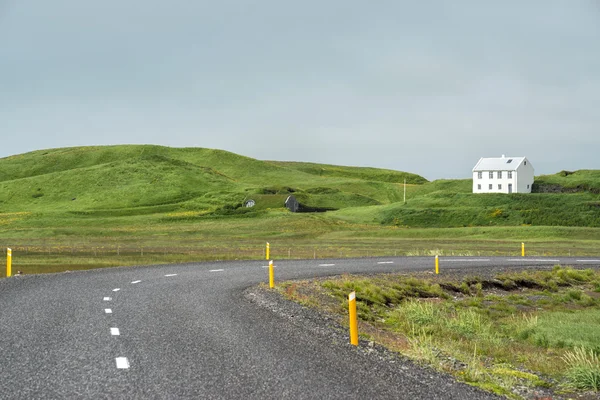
x=292 y=204
x=503 y=175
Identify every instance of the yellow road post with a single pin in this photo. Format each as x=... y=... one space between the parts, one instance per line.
x=8 y=262
x=522 y=249
x=271 y=275
x=437 y=265
x=353 y=320
x=268 y=251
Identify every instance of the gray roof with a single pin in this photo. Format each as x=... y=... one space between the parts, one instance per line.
x=498 y=164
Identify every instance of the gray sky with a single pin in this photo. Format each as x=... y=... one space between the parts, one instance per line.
x=420 y=86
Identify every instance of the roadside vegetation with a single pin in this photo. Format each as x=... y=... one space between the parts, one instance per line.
x=87 y=207
x=512 y=333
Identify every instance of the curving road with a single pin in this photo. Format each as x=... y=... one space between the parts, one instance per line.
x=187 y=331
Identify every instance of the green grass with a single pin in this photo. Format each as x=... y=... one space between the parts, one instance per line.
x=569 y=329
x=189 y=200
x=370 y=174
x=583 y=371
x=531 y=328
x=129 y=177
x=569 y=182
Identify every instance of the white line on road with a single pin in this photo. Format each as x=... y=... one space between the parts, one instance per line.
x=122 y=362
x=108 y=310
x=534 y=260
x=107 y=298
x=466 y=260
x=326 y=265
x=385 y=262
x=115 y=331
x=217 y=270
x=588 y=260
x=134 y=282
x=116 y=290
x=168 y=275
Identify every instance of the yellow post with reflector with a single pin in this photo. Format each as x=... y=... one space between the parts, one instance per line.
x=268 y=253
x=353 y=320
x=8 y=262
x=522 y=249
x=271 y=275
x=437 y=265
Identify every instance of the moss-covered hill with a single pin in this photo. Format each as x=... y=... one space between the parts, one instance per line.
x=145 y=179
x=563 y=199
x=137 y=180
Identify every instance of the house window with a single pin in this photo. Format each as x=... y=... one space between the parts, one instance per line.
x=525 y=162
x=490 y=186
x=478 y=187
x=499 y=187
x=491 y=174
x=479 y=175
x=509 y=174
x=527 y=186
x=499 y=174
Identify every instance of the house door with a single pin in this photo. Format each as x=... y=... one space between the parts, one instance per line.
x=510 y=188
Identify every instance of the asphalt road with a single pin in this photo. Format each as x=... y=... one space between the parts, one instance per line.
x=188 y=332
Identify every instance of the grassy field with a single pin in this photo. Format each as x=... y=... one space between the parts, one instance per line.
x=121 y=205
x=512 y=333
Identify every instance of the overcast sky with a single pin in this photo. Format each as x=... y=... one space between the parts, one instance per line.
x=427 y=87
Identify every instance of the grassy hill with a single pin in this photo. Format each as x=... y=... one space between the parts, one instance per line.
x=141 y=180
x=370 y=174
x=558 y=200
x=138 y=177
x=569 y=182
x=148 y=204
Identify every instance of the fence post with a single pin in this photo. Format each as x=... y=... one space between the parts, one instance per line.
x=271 y=275
x=437 y=265
x=522 y=249
x=268 y=251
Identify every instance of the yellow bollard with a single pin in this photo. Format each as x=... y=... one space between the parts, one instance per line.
x=8 y=262
x=437 y=265
x=271 y=275
x=268 y=251
x=353 y=320
x=522 y=249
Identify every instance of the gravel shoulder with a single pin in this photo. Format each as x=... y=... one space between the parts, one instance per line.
x=328 y=327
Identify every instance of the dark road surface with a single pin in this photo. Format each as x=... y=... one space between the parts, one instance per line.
x=188 y=332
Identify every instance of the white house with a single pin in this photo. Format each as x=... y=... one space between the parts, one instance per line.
x=503 y=175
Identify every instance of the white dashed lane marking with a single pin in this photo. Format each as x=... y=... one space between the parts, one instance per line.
x=122 y=362
x=217 y=270
x=326 y=265
x=134 y=282
x=385 y=262
x=168 y=275
x=115 y=331
x=116 y=290
x=107 y=298
x=108 y=310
